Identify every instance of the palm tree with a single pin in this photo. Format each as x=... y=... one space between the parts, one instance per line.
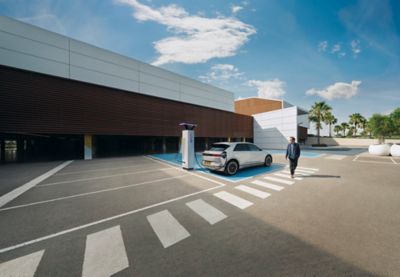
x=344 y=126
x=363 y=123
x=317 y=115
x=337 y=129
x=330 y=119
x=355 y=119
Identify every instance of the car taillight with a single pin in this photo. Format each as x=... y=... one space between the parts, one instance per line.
x=223 y=155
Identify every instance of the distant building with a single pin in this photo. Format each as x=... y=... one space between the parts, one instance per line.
x=274 y=121
x=64 y=99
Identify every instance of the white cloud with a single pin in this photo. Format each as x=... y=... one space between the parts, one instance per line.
x=322 y=46
x=355 y=47
x=337 y=90
x=269 y=89
x=221 y=73
x=196 y=38
x=336 y=48
x=235 y=9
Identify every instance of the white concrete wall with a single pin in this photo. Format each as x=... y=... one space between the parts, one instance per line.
x=31 y=48
x=272 y=129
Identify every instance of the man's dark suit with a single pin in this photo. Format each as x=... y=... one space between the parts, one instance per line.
x=293 y=154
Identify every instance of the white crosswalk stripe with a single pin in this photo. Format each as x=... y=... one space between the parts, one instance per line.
x=286 y=182
x=308 y=168
x=105 y=253
x=267 y=185
x=206 y=211
x=233 y=199
x=23 y=266
x=296 y=173
x=168 y=230
x=253 y=191
x=287 y=176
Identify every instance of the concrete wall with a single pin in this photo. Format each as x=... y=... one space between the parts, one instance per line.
x=272 y=129
x=347 y=141
x=31 y=48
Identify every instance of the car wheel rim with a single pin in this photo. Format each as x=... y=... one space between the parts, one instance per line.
x=268 y=161
x=232 y=168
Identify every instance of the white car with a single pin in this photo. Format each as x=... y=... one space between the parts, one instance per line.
x=229 y=157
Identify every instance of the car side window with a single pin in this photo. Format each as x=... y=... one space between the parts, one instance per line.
x=252 y=147
x=241 y=147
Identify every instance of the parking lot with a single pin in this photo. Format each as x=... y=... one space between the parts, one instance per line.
x=141 y=216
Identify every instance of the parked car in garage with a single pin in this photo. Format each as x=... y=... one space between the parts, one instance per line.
x=229 y=157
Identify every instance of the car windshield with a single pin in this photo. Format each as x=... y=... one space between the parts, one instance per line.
x=219 y=147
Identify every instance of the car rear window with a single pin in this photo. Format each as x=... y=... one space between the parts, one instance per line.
x=219 y=147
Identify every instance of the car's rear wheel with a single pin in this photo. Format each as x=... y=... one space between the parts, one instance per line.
x=231 y=168
x=268 y=161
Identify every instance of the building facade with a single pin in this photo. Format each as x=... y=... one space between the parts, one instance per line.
x=274 y=121
x=61 y=99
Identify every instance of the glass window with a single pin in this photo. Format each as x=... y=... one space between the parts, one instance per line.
x=219 y=147
x=241 y=147
x=253 y=147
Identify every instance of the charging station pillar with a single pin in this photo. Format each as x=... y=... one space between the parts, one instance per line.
x=188 y=159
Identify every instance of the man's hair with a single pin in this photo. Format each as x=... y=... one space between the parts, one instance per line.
x=293 y=138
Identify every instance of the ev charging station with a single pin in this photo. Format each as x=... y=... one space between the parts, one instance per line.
x=187 y=146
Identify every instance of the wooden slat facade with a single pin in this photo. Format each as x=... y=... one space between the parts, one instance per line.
x=41 y=104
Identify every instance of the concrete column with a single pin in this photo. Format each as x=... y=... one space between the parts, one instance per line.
x=2 y=151
x=206 y=142
x=164 y=145
x=243 y=139
x=229 y=139
x=88 y=147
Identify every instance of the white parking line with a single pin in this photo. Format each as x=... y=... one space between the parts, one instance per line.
x=99 y=169
x=393 y=160
x=206 y=211
x=102 y=177
x=267 y=185
x=105 y=253
x=335 y=157
x=167 y=228
x=253 y=191
x=23 y=266
x=287 y=176
x=233 y=199
x=279 y=180
x=90 y=193
x=67 y=231
x=20 y=190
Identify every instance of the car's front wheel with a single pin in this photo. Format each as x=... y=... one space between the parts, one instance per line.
x=268 y=161
x=231 y=168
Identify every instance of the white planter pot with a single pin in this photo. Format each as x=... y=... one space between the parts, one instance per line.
x=379 y=149
x=395 y=150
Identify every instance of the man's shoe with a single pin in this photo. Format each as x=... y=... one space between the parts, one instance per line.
x=292 y=176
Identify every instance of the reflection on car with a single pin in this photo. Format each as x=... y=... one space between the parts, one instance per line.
x=229 y=157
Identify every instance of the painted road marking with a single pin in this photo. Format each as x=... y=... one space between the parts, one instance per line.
x=233 y=199
x=286 y=182
x=308 y=168
x=167 y=228
x=206 y=211
x=253 y=191
x=267 y=185
x=67 y=231
x=90 y=193
x=105 y=253
x=103 y=177
x=287 y=176
x=296 y=173
x=100 y=169
x=20 y=190
x=335 y=157
x=305 y=171
x=23 y=266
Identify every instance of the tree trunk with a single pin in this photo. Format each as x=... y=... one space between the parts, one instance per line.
x=330 y=129
x=318 y=140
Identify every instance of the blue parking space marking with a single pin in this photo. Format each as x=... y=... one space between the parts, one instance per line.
x=304 y=153
x=241 y=175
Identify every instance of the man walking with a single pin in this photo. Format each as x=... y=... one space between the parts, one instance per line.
x=293 y=153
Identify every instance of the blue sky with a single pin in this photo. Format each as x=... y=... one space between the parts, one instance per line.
x=344 y=52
